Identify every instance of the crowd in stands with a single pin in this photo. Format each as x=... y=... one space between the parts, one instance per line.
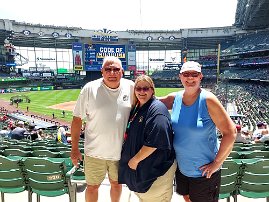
x=17 y=129
x=250 y=42
x=252 y=101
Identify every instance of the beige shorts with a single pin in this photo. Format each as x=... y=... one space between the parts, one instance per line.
x=96 y=169
x=162 y=189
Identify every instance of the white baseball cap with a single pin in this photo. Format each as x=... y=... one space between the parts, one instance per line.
x=190 y=66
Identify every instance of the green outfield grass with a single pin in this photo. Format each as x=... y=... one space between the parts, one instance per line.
x=41 y=100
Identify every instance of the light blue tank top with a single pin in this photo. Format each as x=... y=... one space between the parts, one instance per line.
x=195 y=141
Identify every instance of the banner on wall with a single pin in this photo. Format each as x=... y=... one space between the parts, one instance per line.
x=95 y=54
x=77 y=56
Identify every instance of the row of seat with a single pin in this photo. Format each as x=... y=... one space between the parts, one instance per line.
x=43 y=176
x=247 y=177
x=36 y=153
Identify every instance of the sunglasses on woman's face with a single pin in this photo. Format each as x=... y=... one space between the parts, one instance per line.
x=144 y=89
x=190 y=74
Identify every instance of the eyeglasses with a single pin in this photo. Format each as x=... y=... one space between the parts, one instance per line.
x=109 y=70
x=144 y=89
x=190 y=74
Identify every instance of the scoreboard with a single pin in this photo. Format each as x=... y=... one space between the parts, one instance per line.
x=95 y=54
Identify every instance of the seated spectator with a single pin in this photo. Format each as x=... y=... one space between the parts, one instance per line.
x=61 y=135
x=240 y=137
x=257 y=133
x=264 y=136
x=4 y=132
x=32 y=131
x=18 y=132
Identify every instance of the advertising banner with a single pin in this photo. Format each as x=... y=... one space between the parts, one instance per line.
x=77 y=56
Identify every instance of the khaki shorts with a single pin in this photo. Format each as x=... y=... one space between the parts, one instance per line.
x=162 y=189
x=96 y=169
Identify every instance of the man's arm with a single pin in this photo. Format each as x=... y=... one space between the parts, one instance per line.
x=75 y=135
x=168 y=100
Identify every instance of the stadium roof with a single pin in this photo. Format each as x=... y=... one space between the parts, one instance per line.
x=252 y=14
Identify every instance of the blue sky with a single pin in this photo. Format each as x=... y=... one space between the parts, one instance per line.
x=120 y=15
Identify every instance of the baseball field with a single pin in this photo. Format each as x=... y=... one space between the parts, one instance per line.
x=55 y=101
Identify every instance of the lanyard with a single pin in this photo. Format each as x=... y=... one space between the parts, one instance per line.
x=131 y=119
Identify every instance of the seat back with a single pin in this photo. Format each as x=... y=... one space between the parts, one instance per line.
x=17 y=152
x=46 y=178
x=45 y=153
x=229 y=179
x=258 y=154
x=11 y=178
x=255 y=180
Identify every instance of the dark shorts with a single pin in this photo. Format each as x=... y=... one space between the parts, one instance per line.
x=199 y=189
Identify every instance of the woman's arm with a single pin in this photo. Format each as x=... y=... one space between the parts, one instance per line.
x=227 y=128
x=143 y=153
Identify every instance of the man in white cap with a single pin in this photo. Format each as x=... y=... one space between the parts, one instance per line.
x=18 y=132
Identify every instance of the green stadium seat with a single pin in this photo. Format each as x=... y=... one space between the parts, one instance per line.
x=255 y=180
x=229 y=180
x=49 y=178
x=17 y=152
x=45 y=153
x=11 y=178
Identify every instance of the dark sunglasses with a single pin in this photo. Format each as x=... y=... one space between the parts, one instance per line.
x=109 y=70
x=144 y=89
x=190 y=74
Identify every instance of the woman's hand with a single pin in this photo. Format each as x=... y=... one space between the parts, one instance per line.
x=210 y=168
x=133 y=163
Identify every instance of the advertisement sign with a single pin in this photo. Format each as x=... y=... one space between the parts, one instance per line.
x=77 y=56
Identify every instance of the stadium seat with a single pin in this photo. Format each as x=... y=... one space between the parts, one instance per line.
x=255 y=180
x=49 y=178
x=17 y=152
x=229 y=180
x=11 y=178
x=45 y=153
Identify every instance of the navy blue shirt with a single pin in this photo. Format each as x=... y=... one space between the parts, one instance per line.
x=151 y=127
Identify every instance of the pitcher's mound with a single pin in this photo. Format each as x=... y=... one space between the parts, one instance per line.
x=68 y=106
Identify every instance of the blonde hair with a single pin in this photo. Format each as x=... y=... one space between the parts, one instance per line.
x=146 y=79
x=111 y=60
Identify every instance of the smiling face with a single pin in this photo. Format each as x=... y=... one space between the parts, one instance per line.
x=144 y=89
x=191 y=79
x=112 y=72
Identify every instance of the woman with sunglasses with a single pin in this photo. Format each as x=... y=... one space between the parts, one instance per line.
x=196 y=113
x=147 y=165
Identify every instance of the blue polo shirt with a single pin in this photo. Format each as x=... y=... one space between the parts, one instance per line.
x=151 y=127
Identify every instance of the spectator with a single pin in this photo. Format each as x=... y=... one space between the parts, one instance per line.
x=18 y=132
x=4 y=132
x=106 y=104
x=147 y=163
x=61 y=135
x=239 y=135
x=257 y=134
x=196 y=113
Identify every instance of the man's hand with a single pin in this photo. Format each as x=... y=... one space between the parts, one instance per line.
x=76 y=157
